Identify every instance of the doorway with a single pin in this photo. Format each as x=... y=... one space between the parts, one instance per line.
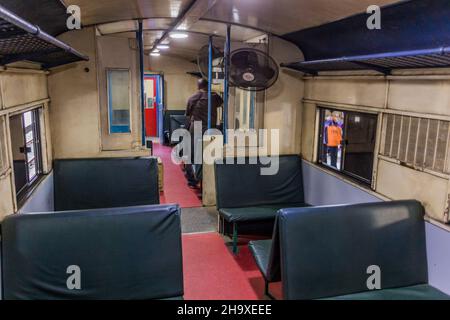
x=153 y=104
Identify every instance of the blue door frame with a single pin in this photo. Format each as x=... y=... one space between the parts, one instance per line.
x=159 y=100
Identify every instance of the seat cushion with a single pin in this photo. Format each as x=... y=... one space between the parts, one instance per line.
x=257 y=213
x=418 y=292
x=261 y=252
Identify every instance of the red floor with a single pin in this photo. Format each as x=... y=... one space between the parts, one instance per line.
x=175 y=185
x=212 y=272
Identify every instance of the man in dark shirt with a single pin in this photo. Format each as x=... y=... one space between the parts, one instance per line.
x=197 y=110
x=197 y=106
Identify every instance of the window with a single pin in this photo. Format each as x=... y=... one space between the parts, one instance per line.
x=4 y=165
x=347 y=142
x=26 y=149
x=119 y=100
x=418 y=142
x=248 y=109
x=245 y=102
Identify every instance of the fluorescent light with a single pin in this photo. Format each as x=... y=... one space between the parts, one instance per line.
x=155 y=51
x=155 y=54
x=179 y=35
x=163 y=47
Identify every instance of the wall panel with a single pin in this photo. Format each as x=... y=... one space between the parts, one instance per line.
x=74 y=108
x=362 y=92
x=179 y=85
x=397 y=182
x=22 y=88
x=113 y=53
x=423 y=96
x=308 y=131
x=284 y=99
x=6 y=196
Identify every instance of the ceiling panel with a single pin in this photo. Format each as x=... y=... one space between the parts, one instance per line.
x=102 y=11
x=132 y=25
x=284 y=16
x=220 y=29
x=161 y=23
x=188 y=48
x=117 y=27
x=149 y=37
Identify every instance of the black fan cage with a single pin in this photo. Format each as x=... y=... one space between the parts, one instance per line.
x=252 y=70
x=203 y=60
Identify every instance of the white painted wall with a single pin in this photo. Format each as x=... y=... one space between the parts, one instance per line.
x=42 y=199
x=179 y=85
x=424 y=93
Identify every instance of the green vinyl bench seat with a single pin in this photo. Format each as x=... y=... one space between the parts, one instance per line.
x=246 y=196
x=96 y=183
x=268 y=212
x=325 y=252
x=417 y=292
x=117 y=251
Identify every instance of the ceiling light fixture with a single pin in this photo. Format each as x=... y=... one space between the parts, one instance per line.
x=163 y=47
x=179 y=35
x=155 y=54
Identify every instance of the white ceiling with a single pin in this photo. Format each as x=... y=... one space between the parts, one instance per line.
x=250 y=18
x=284 y=16
x=102 y=11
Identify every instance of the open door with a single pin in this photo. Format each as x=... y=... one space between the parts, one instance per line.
x=153 y=104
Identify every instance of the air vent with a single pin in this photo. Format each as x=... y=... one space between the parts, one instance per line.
x=418 y=142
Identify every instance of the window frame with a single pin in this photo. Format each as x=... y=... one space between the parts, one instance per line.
x=4 y=156
x=31 y=183
x=127 y=130
x=257 y=102
x=256 y=117
x=319 y=144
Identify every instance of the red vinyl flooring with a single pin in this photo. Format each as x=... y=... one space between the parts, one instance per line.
x=176 y=189
x=212 y=272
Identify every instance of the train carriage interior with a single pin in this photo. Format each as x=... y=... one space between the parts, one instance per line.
x=225 y=150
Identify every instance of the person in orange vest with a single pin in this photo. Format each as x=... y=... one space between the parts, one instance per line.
x=333 y=138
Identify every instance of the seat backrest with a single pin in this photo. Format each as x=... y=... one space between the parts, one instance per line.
x=326 y=251
x=121 y=253
x=177 y=121
x=105 y=183
x=243 y=185
x=274 y=263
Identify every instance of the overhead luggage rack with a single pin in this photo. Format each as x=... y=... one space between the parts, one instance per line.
x=383 y=62
x=21 y=40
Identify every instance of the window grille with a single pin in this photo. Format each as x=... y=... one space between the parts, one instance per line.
x=418 y=142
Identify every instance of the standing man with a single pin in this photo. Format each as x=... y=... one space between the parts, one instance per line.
x=333 y=138
x=197 y=110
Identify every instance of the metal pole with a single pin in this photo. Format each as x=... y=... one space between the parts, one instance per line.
x=140 y=38
x=226 y=85
x=210 y=81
